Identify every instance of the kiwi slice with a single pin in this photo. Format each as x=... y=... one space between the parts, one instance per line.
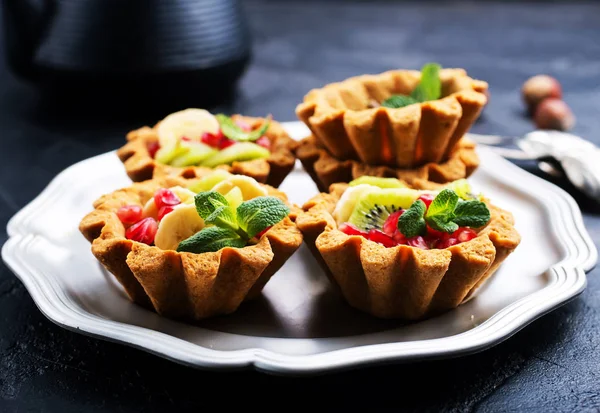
x=239 y=152
x=197 y=153
x=234 y=197
x=462 y=188
x=372 y=209
x=377 y=181
x=209 y=181
x=165 y=155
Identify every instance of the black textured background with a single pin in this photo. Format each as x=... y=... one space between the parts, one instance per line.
x=552 y=365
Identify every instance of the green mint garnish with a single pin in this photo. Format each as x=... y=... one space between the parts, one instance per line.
x=429 y=88
x=411 y=223
x=229 y=228
x=398 y=101
x=260 y=213
x=472 y=213
x=215 y=210
x=446 y=213
x=211 y=239
x=234 y=132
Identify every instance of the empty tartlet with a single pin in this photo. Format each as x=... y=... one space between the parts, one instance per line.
x=406 y=253
x=404 y=120
x=193 y=248
x=192 y=142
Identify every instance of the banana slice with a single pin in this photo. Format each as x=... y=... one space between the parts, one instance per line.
x=191 y=123
x=234 y=197
x=249 y=187
x=185 y=196
x=177 y=225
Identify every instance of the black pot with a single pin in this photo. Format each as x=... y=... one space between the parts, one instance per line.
x=164 y=54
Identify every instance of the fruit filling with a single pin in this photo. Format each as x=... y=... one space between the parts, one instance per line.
x=385 y=211
x=217 y=211
x=195 y=137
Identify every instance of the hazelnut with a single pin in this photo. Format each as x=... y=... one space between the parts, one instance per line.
x=554 y=114
x=538 y=88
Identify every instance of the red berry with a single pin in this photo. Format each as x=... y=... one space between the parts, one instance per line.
x=418 y=242
x=433 y=233
x=130 y=214
x=264 y=142
x=391 y=223
x=427 y=199
x=381 y=238
x=243 y=125
x=399 y=237
x=164 y=211
x=143 y=231
x=464 y=234
x=210 y=139
x=165 y=197
x=225 y=143
x=153 y=147
x=349 y=229
x=261 y=233
x=554 y=114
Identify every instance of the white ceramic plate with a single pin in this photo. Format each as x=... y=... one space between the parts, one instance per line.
x=299 y=326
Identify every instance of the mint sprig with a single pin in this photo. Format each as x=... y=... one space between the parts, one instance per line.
x=229 y=227
x=234 y=132
x=411 y=223
x=446 y=213
x=428 y=88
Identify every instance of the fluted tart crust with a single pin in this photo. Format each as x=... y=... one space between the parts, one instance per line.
x=404 y=282
x=181 y=284
x=341 y=117
x=140 y=166
x=325 y=169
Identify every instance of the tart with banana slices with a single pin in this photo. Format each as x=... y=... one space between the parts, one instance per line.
x=193 y=248
x=401 y=252
x=191 y=142
x=402 y=123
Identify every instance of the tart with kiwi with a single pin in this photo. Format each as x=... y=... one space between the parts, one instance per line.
x=408 y=253
x=191 y=142
x=193 y=248
x=401 y=123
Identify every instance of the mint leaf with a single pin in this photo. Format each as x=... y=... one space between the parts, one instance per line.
x=234 y=132
x=442 y=223
x=215 y=210
x=411 y=222
x=398 y=101
x=260 y=213
x=430 y=86
x=473 y=214
x=443 y=204
x=211 y=239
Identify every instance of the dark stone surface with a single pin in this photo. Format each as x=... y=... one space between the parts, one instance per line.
x=552 y=365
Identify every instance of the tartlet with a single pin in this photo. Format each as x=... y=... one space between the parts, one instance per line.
x=352 y=130
x=403 y=281
x=138 y=155
x=183 y=284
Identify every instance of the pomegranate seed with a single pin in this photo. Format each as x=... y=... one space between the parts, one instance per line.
x=225 y=143
x=143 y=231
x=427 y=199
x=264 y=142
x=153 y=147
x=243 y=125
x=165 y=197
x=130 y=214
x=433 y=233
x=261 y=233
x=186 y=139
x=464 y=234
x=399 y=237
x=382 y=238
x=211 y=140
x=418 y=242
x=391 y=223
x=445 y=243
x=349 y=229
x=164 y=211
